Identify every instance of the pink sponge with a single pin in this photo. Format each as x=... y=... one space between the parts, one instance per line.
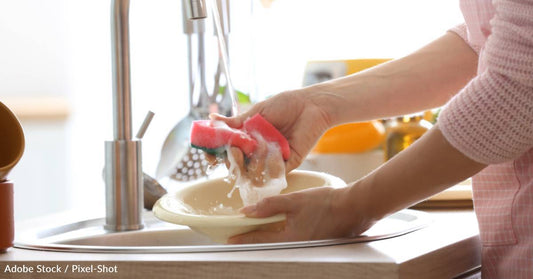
x=257 y=123
x=213 y=136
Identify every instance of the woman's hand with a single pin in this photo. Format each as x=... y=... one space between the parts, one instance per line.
x=317 y=213
x=427 y=167
x=299 y=116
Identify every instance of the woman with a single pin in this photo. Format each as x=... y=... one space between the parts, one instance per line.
x=483 y=73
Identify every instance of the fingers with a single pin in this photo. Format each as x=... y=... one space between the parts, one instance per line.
x=275 y=165
x=269 y=233
x=268 y=207
x=237 y=155
x=293 y=162
x=211 y=159
x=234 y=122
x=255 y=171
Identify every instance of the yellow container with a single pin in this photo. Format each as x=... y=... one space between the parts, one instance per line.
x=357 y=65
x=351 y=138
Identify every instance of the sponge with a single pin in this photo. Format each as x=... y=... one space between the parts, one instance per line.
x=213 y=136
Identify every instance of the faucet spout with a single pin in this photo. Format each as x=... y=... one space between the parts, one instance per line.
x=123 y=161
x=121 y=70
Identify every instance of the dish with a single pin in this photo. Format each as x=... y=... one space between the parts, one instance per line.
x=207 y=208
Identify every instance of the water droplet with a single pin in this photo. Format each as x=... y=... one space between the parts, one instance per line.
x=232 y=190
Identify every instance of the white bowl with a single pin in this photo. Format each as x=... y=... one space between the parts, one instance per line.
x=206 y=208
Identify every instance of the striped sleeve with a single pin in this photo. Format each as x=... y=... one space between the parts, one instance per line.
x=491 y=119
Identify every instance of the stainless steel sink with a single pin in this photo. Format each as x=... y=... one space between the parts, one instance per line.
x=161 y=237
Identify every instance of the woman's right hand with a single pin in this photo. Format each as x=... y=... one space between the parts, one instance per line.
x=296 y=114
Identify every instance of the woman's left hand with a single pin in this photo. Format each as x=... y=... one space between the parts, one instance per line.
x=317 y=213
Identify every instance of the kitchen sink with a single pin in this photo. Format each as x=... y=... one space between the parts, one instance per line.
x=161 y=237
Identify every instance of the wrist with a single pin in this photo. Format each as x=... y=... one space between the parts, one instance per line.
x=352 y=208
x=322 y=96
x=346 y=99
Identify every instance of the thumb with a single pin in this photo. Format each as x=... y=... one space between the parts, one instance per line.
x=295 y=160
x=268 y=207
x=233 y=122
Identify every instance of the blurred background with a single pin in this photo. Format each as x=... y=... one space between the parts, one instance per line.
x=55 y=73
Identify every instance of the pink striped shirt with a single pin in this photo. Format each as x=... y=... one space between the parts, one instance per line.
x=491 y=121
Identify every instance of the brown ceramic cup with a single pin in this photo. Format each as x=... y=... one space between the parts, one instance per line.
x=7 y=231
x=11 y=149
x=11 y=141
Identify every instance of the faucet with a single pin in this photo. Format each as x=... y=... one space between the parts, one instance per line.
x=123 y=165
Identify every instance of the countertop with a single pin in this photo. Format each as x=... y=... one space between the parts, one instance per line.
x=449 y=247
x=38 y=107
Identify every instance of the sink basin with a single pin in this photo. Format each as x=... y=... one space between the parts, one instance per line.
x=162 y=237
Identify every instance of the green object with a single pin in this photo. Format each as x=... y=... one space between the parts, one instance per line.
x=219 y=151
x=242 y=97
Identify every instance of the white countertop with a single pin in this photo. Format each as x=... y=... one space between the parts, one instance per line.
x=446 y=248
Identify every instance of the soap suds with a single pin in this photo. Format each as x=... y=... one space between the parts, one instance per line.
x=264 y=175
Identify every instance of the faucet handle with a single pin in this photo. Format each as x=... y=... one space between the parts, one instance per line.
x=147 y=119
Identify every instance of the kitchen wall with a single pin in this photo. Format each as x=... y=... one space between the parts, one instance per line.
x=61 y=48
x=33 y=49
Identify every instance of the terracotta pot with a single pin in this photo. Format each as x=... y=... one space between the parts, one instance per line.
x=7 y=230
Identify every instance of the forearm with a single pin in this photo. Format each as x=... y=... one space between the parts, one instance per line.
x=427 y=167
x=426 y=79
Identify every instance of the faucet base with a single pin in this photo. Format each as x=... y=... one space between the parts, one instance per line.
x=124 y=192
